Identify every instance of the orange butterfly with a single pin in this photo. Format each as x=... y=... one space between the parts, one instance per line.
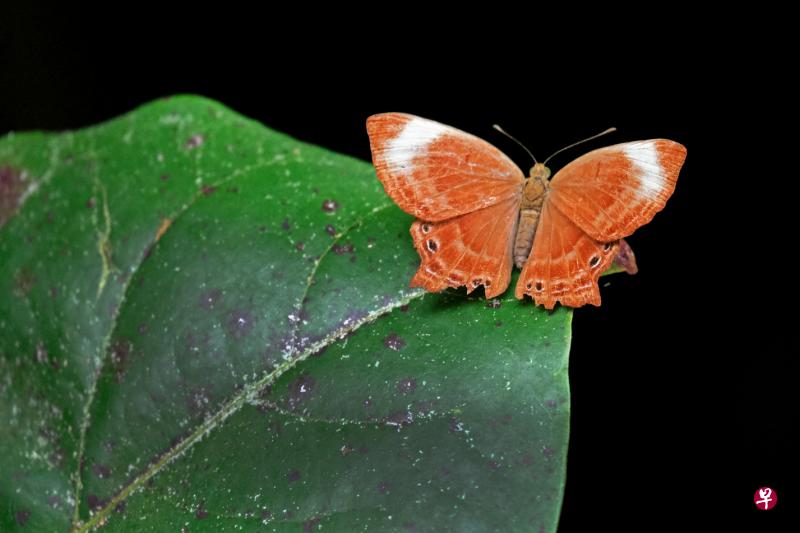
x=478 y=212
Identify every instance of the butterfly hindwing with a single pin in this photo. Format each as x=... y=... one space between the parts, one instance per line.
x=436 y=172
x=564 y=264
x=612 y=191
x=473 y=249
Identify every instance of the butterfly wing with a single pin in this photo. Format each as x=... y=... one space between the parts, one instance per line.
x=565 y=263
x=593 y=202
x=612 y=191
x=436 y=172
x=473 y=249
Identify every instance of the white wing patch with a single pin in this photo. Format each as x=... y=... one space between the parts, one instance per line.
x=644 y=156
x=413 y=141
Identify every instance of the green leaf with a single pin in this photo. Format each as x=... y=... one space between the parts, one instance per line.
x=207 y=324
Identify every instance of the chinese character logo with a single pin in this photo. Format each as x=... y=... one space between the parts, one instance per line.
x=765 y=498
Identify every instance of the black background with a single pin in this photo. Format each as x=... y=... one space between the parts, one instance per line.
x=683 y=381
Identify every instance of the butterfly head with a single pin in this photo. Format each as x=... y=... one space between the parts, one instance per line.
x=536 y=187
x=540 y=172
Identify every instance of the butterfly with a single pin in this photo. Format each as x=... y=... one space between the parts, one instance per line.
x=477 y=214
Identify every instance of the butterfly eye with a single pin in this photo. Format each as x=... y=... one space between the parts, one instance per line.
x=476 y=282
x=487 y=283
x=432 y=246
x=426 y=228
x=607 y=246
x=594 y=261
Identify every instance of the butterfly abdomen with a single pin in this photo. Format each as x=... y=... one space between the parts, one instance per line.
x=530 y=209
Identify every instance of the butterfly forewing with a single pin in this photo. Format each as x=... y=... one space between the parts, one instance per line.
x=565 y=263
x=472 y=250
x=436 y=172
x=612 y=191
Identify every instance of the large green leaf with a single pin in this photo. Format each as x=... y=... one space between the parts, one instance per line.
x=205 y=324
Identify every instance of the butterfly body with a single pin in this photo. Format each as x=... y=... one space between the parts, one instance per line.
x=478 y=215
x=534 y=193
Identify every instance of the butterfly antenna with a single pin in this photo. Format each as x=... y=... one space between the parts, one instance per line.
x=501 y=130
x=609 y=130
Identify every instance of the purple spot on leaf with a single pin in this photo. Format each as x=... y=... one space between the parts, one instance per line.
x=330 y=230
x=383 y=488
x=23 y=282
x=22 y=517
x=94 y=502
x=329 y=206
x=120 y=351
x=90 y=203
x=395 y=342
x=208 y=190
x=300 y=390
x=54 y=501
x=399 y=419
x=547 y=451
x=406 y=385
x=424 y=407
x=455 y=425
x=201 y=512
x=300 y=246
x=101 y=471
x=293 y=476
x=341 y=249
x=311 y=524
x=12 y=186
x=286 y=225
x=240 y=323
x=494 y=303
x=194 y=141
